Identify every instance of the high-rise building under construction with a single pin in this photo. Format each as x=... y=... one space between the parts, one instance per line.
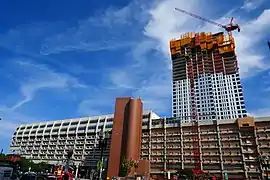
x=206 y=82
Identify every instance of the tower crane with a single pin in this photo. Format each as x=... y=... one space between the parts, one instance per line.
x=229 y=27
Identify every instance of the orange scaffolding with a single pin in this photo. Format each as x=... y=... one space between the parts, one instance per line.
x=204 y=41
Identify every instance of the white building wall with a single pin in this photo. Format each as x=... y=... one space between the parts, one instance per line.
x=50 y=141
x=182 y=101
x=217 y=96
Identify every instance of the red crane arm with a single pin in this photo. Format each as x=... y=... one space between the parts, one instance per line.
x=199 y=17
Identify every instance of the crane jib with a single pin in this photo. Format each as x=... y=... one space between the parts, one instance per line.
x=230 y=27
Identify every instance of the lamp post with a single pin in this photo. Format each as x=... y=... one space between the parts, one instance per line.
x=103 y=139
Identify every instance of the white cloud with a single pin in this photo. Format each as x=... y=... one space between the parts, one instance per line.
x=156 y=92
x=166 y=24
x=36 y=77
x=41 y=77
x=250 y=5
x=99 y=101
x=11 y=120
x=111 y=29
x=264 y=112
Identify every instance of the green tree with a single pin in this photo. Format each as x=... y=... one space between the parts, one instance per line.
x=3 y=158
x=126 y=166
x=25 y=164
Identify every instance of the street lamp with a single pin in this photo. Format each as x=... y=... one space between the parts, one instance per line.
x=103 y=139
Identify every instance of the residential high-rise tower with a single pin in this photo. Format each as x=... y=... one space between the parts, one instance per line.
x=206 y=82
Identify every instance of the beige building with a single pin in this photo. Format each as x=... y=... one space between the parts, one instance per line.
x=228 y=147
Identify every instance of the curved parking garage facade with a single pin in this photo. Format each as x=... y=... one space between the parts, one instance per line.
x=50 y=141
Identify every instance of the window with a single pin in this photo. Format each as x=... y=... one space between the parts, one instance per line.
x=245 y=125
x=82 y=128
x=109 y=126
x=74 y=123
x=92 y=127
x=72 y=129
x=93 y=121
x=65 y=124
x=110 y=120
x=83 y=122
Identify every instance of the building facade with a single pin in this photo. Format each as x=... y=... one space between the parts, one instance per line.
x=206 y=82
x=231 y=147
x=50 y=141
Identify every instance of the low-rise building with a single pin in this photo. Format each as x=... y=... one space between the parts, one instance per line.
x=50 y=141
x=232 y=147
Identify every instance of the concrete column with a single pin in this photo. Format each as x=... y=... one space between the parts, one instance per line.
x=200 y=144
x=242 y=154
x=77 y=170
x=220 y=150
x=182 y=146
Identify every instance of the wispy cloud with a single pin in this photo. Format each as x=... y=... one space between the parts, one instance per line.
x=112 y=29
x=12 y=119
x=263 y=112
x=41 y=77
x=250 y=5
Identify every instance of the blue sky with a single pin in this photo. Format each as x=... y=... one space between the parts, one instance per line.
x=64 y=59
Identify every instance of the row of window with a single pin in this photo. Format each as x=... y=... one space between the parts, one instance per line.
x=83 y=128
x=71 y=123
x=65 y=124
